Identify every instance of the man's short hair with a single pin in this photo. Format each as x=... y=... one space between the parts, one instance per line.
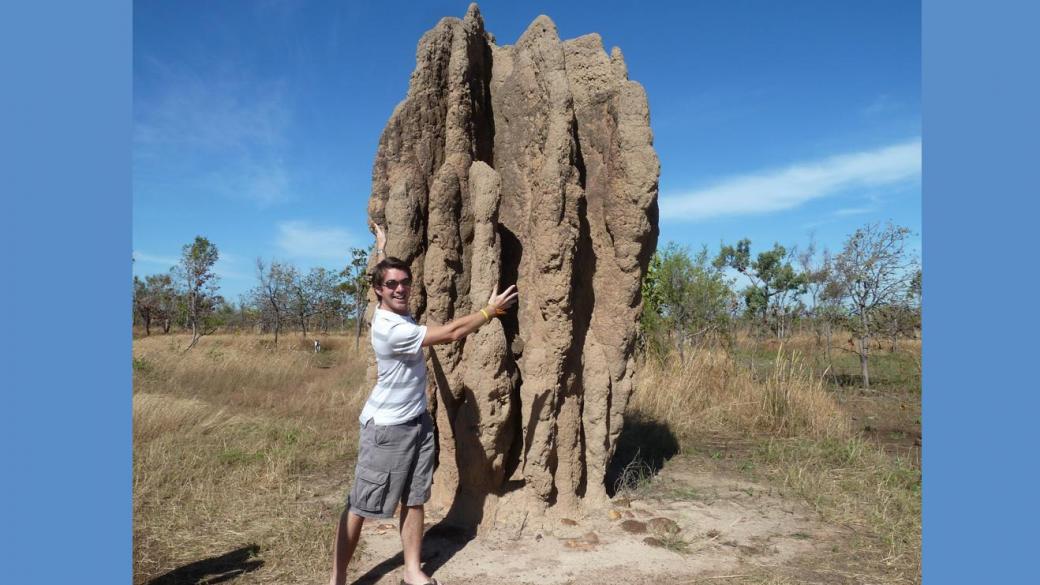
x=388 y=263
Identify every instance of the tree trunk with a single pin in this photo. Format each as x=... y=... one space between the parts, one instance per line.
x=829 y=337
x=864 y=345
x=193 y=316
x=863 y=362
x=357 y=326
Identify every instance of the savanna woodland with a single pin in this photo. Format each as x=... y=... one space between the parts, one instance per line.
x=792 y=372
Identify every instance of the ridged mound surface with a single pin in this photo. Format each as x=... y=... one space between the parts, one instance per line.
x=530 y=164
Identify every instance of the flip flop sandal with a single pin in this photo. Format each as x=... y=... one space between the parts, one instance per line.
x=432 y=582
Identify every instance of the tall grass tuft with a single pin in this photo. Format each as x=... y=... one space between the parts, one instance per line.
x=710 y=392
x=801 y=439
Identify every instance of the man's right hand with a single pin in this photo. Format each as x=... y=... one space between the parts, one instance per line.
x=463 y=326
x=498 y=303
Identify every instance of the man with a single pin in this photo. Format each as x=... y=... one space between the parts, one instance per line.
x=395 y=456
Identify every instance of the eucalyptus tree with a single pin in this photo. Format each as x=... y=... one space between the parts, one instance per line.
x=271 y=295
x=154 y=300
x=200 y=283
x=687 y=296
x=874 y=270
x=355 y=285
x=774 y=282
x=824 y=308
x=326 y=296
x=301 y=301
x=142 y=306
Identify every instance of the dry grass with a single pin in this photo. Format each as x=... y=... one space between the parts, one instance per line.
x=800 y=438
x=234 y=445
x=711 y=393
x=892 y=368
x=239 y=443
x=857 y=485
x=250 y=372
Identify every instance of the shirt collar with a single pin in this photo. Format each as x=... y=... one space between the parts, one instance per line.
x=388 y=314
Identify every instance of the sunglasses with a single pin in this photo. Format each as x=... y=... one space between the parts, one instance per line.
x=393 y=284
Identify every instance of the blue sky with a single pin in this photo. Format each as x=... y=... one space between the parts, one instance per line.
x=256 y=123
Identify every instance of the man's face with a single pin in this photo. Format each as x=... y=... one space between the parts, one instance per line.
x=394 y=289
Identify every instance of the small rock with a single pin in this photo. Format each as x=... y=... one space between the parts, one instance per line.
x=386 y=527
x=663 y=526
x=587 y=542
x=653 y=541
x=577 y=544
x=568 y=522
x=633 y=526
x=614 y=515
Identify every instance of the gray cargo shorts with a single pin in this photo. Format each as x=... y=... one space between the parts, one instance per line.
x=395 y=464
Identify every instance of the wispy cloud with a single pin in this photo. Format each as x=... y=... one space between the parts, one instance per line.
x=882 y=104
x=146 y=258
x=837 y=215
x=263 y=184
x=781 y=189
x=214 y=110
x=219 y=131
x=226 y=266
x=226 y=270
x=854 y=211
x=304 y=240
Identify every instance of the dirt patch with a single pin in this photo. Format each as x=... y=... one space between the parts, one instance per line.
x=892 y=420
x=698 y=523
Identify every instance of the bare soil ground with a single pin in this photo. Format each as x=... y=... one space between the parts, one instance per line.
x=726 y=529
x=892 y=420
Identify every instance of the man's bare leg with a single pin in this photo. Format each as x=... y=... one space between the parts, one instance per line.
x=412 y=518
x=348 y=533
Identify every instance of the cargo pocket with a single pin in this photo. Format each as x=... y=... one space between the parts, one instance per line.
x=370 y=490
x=380 y=435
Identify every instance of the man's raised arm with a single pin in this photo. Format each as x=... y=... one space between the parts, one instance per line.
x=380 y=239
x=463 y=326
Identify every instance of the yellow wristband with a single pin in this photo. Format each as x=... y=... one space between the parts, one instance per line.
x=487 y=318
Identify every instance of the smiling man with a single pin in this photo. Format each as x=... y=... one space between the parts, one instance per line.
x=395 y=456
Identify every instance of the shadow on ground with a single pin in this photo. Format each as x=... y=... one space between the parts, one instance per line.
x=642 y=448
x=214 y=569
x=439 y=544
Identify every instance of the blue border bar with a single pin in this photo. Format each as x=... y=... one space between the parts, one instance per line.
x=981 y=142
x=65 y=112
x=65 y=229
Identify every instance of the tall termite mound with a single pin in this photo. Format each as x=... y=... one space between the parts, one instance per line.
x=530 y=164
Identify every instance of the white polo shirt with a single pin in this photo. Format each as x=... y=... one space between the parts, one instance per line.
x=400 y=391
